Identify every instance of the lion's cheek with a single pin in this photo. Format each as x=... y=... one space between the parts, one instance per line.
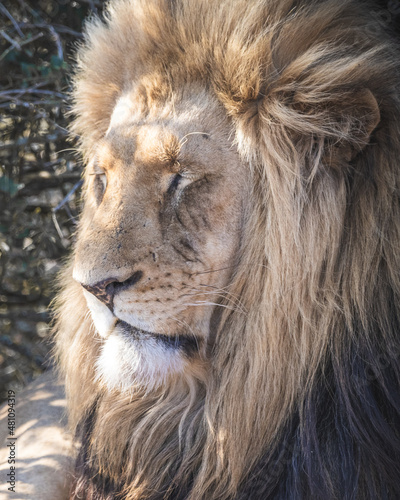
x=103 y=319
x=125 y=363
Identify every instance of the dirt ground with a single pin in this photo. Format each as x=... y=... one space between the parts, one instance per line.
x=39 y=174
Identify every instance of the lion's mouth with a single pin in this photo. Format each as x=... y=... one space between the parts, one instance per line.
x=188 y=344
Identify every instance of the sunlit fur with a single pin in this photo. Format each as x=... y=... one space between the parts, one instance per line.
x=303 y=395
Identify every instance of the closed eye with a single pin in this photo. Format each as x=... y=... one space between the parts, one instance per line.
x=176 y=179
x=99 y=185
x=183 y=179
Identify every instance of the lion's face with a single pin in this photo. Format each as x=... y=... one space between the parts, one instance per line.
x=159 y=237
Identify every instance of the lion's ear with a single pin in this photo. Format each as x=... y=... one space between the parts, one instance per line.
x=328 y=125
x=356 y=117
x=367 y=114
x=369 y=111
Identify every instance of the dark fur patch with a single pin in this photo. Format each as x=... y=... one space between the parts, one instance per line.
x=88 y=484
x=343 y=442
x=189 y=344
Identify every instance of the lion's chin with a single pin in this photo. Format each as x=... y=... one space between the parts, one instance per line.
x=131 y=357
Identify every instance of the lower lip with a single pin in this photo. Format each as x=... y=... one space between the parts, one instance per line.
x=186 y=343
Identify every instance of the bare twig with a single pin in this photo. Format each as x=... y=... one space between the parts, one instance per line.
x=9 y=94
x=57 y=226
x=10 y=17
x=56 y=38
x=68 y=197
x=24 y=5
x=31 y=39
x=19 y=44
x=58 y=27
x=30 y=104
x=13 y=42
x=92 y=3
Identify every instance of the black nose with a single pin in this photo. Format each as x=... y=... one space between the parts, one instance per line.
x=105 y=290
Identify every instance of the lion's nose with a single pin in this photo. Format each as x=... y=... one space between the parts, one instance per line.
x=105 y=290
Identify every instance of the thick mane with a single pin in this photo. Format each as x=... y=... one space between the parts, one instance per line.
x=303 y=396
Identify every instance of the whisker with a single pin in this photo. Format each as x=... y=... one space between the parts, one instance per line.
x=235 y=305
x=218 y=292
x=213 y=270
x=224 y=291
x=229 y=267
x=205 y=303
x=183 y=141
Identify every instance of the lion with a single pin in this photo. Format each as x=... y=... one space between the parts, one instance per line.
x=228 y=325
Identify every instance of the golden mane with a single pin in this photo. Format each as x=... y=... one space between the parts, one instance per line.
x=303 y=398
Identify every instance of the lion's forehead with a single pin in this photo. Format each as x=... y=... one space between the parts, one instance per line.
x=187 y=131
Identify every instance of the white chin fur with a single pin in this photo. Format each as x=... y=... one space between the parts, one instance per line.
x=103 y=319
x=126 y=363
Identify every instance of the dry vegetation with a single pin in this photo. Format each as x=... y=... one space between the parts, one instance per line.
x=39 y=173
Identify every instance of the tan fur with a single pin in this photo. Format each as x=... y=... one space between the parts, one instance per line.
x=292 y=97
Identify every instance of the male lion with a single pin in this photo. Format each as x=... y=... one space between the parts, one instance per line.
x=229 y=322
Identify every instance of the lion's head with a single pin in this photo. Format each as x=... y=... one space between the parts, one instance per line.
x=163 y=214
x=235 y=277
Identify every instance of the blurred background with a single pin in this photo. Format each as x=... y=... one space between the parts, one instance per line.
x=40 y=170
x=39 y=173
